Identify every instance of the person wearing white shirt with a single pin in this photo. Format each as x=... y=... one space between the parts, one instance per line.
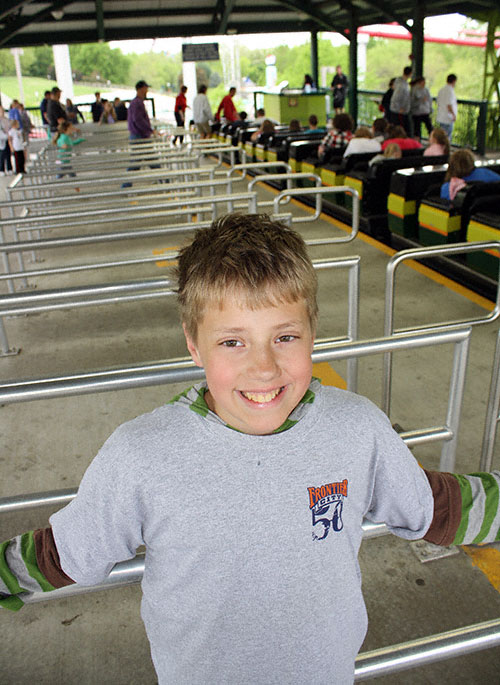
x=447 y=105
x=202 y=112
x=362 y=142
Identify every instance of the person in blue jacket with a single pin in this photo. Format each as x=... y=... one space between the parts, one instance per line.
x=461 y=170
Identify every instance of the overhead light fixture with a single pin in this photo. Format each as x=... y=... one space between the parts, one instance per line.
x=57 y=14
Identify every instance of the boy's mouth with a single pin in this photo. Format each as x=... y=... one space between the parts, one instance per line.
x=262 y=397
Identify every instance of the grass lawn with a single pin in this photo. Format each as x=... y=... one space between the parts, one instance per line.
x=34 y=88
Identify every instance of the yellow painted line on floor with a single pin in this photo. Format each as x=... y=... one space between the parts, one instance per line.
x=170 y=262
x=328 y=376
x=420 y=268
x=487 y=560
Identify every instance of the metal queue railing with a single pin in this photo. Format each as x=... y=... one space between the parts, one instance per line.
x=165 y=210
x=318 y=194
x=368 y=665
x=389 y=329
x=132 y=291
x=492 y=413
x=138 y=155
x=39 y=221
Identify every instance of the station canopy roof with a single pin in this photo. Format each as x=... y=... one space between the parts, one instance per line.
x=35 y=22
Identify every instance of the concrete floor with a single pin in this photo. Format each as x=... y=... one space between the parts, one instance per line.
x=47 y=444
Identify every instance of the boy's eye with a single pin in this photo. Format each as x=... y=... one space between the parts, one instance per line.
x=287 y=338
x=231 y=343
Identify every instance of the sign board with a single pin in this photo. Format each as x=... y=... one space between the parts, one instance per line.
x=200 y=52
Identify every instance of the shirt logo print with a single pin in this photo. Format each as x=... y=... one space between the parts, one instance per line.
x=326 y=503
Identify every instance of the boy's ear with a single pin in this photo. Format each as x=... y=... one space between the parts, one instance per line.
x=191 y=345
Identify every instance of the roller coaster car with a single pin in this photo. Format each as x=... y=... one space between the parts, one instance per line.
x=484 y=225
x=442 y=222
x=406 y=189
x=373 y=184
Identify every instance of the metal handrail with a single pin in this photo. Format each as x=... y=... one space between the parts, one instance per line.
x=492 y=413
x=184 y=370
x=426 y=253
x=45 y=201
x=318 y=193
x=14 y=304
x=288 y=177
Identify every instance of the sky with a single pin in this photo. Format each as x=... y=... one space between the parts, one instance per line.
x=444 y=26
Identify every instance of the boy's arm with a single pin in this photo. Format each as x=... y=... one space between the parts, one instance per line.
x=29 y=563
x=466 y=508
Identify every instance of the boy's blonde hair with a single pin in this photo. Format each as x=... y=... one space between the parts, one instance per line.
x=263 y=260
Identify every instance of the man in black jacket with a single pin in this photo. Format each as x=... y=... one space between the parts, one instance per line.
x=55 y=111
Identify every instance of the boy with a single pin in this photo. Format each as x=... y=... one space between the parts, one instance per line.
x=16 y=143
x=249 y=490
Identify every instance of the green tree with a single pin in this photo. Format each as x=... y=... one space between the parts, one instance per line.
x=99 y=60
x=7 y=66
x=157 y=69
x=37 y=61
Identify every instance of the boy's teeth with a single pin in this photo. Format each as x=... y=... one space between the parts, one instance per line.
x=262 y=397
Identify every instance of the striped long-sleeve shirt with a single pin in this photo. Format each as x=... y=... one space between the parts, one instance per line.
x=466 y=511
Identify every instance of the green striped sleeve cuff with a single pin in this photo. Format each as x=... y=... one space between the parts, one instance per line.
x=480 y=513
x=29 y=563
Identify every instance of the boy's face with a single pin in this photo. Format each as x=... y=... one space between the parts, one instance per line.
x=257 y=362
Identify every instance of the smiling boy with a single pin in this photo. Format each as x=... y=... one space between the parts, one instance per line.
x=248 y=490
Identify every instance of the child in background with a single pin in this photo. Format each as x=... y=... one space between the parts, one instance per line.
x=16 y=144
x=249 y=489
x=461 y=170
x=65 y=144
x=438 y=143
x=392 y=151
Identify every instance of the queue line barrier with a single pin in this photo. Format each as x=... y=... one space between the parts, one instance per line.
x=378 y=662
x=492 y=413
x=389 y=329
x=110 y=293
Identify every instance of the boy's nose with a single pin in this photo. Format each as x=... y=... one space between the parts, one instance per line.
x=263 y=363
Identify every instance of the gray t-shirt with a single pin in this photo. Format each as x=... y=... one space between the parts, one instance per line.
x=251 y=571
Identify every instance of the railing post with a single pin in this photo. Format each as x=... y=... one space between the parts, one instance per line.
x=481 y=128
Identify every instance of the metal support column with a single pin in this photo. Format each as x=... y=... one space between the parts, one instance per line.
x=491 y=83
x=417 y=39
x=314 y=57
x=353 y=66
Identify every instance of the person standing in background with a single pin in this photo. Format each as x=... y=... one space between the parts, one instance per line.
x=120 y=109
x=16 y=144
x=447 y=105
x=180 y=111
x=27 y=126
x=73 y=112
x=139 y=125
x=420 y=107
x=96 y=108
x=202 y=112
x=400 y=101
x=340 y=85
x=5 y=162
x=227 y=107
x=43 y=112
x=55 y=111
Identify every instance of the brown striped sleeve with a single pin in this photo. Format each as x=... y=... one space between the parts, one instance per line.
x=447 y=508
x=47 y=558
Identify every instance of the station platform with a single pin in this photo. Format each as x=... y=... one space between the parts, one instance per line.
x=48 y=444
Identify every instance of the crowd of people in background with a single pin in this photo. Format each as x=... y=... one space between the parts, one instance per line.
x=406 y=106
x=15 y=128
